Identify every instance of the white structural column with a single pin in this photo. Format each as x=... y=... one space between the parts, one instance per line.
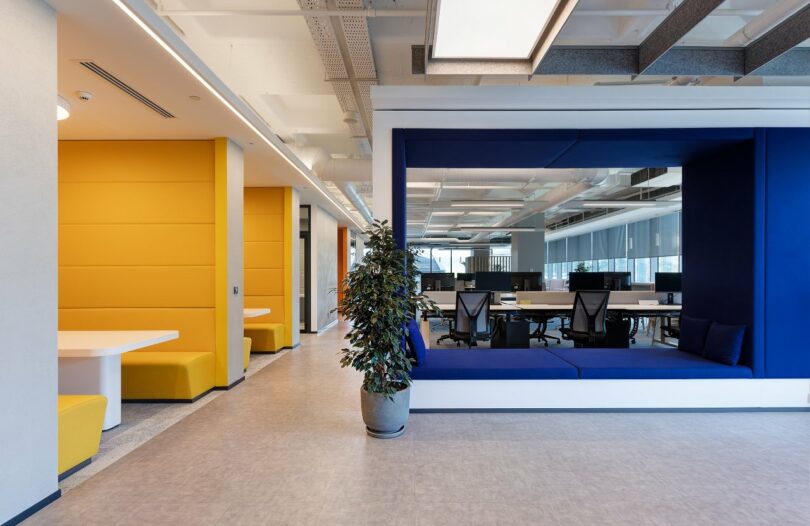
x=236 y=303
x=28 y=266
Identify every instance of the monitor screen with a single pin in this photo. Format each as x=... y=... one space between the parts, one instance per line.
x=438 y=281
x=668 y=282
x=494 y=281
x=585 y=281
x=465 y=276
x=617 y=281
x=526 y=281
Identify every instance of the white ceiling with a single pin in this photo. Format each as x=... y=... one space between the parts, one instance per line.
x=273 y=64
x=98 y=31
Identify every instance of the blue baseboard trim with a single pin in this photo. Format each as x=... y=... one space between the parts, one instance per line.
x=33 y=509
x=625 y=410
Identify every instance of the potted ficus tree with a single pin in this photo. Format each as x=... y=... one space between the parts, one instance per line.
x=379 y=300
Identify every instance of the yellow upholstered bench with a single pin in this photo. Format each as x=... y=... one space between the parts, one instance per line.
x=267 y=337
x=166 y=375
x=80 y=418
x=246 y=342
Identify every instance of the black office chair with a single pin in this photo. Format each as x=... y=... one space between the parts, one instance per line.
x=471 y=322
x=587 y=318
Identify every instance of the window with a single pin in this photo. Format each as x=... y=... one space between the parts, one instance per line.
x=641 y=270
x=460 y=259
x=669 y=264
x=442 y=260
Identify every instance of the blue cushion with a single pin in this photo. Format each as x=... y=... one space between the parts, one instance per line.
x=649 y=363
x=693 y=334
x=724 y=343
x=492 y=364
x=415 y=342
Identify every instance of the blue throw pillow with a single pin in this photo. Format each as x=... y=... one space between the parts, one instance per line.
x=693 y=334
x=415 y=342
x=724 y=343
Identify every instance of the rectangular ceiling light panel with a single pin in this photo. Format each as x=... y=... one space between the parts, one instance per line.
x=485 y=29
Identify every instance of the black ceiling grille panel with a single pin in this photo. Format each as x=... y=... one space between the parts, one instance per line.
x=126 y=88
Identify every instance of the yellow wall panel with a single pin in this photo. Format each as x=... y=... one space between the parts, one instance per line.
x=260 y=254
x=196 y=326
x=137 y=203
x=264 y=227
x=276 y=304
x=131 y=245
x=156 y=287
x=264 y=282
x=264 y=201
x=136 y=161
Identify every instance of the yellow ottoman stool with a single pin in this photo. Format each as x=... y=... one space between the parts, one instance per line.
x=246 y=342
x=166 y=376
x=267 y=337
x=80 y=418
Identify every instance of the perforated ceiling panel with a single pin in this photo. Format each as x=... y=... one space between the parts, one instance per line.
x=353 y=81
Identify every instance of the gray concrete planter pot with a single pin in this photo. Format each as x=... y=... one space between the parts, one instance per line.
x=385 y=418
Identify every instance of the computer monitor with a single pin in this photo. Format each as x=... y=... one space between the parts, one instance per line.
x=438 y=281
x=465 y=276
x=526 y=281
x=585 y=281
x=617 y=281
x=669 y=282
x=494 y=281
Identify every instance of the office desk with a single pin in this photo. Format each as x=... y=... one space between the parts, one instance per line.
x=635 y=310
x=90 y=363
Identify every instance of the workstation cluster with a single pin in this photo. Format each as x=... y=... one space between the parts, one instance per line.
x=598 y=310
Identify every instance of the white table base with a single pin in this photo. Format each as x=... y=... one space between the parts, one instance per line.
x=99 y=375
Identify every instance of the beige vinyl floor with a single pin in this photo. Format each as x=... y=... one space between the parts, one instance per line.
x=287 y=446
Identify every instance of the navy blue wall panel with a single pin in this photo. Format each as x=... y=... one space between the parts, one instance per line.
x=718 y=243
x=399 y=195
x=787 y=253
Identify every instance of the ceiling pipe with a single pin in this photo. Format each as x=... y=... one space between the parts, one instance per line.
x=766 y=20
x=351 y=193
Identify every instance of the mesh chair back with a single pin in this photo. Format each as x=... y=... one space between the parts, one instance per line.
x=472 y=311
x=590 y=308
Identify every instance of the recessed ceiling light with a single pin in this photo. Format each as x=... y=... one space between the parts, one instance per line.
x=618 y=204
x=490 y=203
x=506 y=29
x=62 y=108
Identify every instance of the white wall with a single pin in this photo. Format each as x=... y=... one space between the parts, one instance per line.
x=28 y=296
x=236 y=273
x=323 y=261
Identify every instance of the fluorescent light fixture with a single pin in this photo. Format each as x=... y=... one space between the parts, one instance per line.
x=422 y=195
x=418 y=184
x=492 y=186
x=62 y=108
x=497 y=229
x=617 y=204
x=487 y=213
x=188 y=67
x=491 y=203
x=448 y=213
x=484 y=29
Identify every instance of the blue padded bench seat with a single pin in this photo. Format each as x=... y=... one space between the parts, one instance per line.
x=493 y=364
x=649 y=363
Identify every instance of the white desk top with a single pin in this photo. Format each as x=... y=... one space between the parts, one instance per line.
x=93 y=344
x=255 y=313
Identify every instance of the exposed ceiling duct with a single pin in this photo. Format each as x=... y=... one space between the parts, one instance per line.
x=351 y=193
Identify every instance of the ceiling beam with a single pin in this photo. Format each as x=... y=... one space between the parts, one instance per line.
x=683 y=19
x=778 y=41
x=595 y=61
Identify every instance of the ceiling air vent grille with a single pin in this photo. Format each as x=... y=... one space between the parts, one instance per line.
x=126 y=88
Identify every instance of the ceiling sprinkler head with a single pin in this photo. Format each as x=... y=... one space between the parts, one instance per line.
x=351 y=117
